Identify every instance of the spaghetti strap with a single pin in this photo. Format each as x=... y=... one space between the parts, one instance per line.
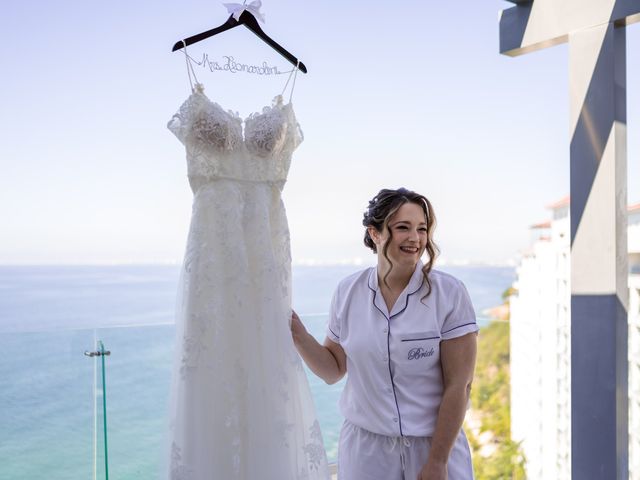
x=294 y=72
x=190 y=70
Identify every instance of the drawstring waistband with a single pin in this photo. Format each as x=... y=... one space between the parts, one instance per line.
x=404 y=442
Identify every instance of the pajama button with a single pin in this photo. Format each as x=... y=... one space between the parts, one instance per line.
x=395 y=419
x=385 y=330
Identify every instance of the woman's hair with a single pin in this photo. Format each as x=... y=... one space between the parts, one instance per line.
x=382 y=207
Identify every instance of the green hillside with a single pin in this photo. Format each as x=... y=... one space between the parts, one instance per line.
x=495 y=456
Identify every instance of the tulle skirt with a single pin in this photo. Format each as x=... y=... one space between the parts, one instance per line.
x=240 y=404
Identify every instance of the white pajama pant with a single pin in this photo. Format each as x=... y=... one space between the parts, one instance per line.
x=363 y=455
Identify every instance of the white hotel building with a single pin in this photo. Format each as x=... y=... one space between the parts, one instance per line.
x=541 y=348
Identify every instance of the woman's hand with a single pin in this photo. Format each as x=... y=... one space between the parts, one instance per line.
x=433 y=471
x=298 y=330
x=328 y=361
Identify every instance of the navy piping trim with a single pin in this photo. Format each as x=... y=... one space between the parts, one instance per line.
x=393 y=385
x=459 y=326
x=337 y=336
x=416 y=339
x=407 y=299
x=374 y=303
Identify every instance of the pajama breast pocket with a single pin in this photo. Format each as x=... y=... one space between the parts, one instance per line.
x=419 y=349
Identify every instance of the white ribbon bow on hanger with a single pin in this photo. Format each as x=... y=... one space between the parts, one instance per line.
x=236 y=9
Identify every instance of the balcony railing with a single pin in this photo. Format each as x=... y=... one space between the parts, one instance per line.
x=53 y=398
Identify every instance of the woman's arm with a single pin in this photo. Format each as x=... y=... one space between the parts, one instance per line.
x=458 y=357
x=328 y=361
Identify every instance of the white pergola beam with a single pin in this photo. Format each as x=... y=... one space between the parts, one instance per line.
x=534 y=25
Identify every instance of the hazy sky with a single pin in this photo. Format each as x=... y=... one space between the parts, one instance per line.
x=408 y=94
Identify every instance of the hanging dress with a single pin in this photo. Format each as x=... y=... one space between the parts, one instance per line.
x=241 y=407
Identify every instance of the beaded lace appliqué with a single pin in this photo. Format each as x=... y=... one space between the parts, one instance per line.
x=314 y=449
x=179 y=471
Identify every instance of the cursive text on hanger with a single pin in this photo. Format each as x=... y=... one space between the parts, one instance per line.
x=229 y=64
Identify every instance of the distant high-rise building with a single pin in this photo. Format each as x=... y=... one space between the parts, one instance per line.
x=541 y=348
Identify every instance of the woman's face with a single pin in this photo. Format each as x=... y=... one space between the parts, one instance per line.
x=409 y=236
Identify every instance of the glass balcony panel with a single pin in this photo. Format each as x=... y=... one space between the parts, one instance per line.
x=47 y=414
x=137 y=377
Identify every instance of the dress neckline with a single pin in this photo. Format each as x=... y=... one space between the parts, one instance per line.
x=278 y=101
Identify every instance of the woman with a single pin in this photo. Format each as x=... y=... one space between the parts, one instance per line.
x=407 y=336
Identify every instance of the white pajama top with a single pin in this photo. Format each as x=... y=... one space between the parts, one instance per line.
x=394 y=378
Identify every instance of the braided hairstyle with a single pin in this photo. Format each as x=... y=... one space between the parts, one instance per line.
x=382 y=207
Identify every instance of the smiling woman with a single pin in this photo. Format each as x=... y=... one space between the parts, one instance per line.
x=402 y=223
x=406 y=334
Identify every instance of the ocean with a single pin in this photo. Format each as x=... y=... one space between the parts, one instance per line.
x=51 y=416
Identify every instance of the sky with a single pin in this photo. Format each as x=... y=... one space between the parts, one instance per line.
x=414 y=94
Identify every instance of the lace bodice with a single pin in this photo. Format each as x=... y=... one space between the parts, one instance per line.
x=217 y=147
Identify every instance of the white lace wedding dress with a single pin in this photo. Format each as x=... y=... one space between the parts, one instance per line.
x=241 y=407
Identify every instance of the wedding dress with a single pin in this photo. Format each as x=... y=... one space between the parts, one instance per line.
x=241 y=407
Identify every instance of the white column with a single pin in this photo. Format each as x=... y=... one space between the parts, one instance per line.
x=599 y=294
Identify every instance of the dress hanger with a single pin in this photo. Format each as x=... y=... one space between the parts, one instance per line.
x=248 y=20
